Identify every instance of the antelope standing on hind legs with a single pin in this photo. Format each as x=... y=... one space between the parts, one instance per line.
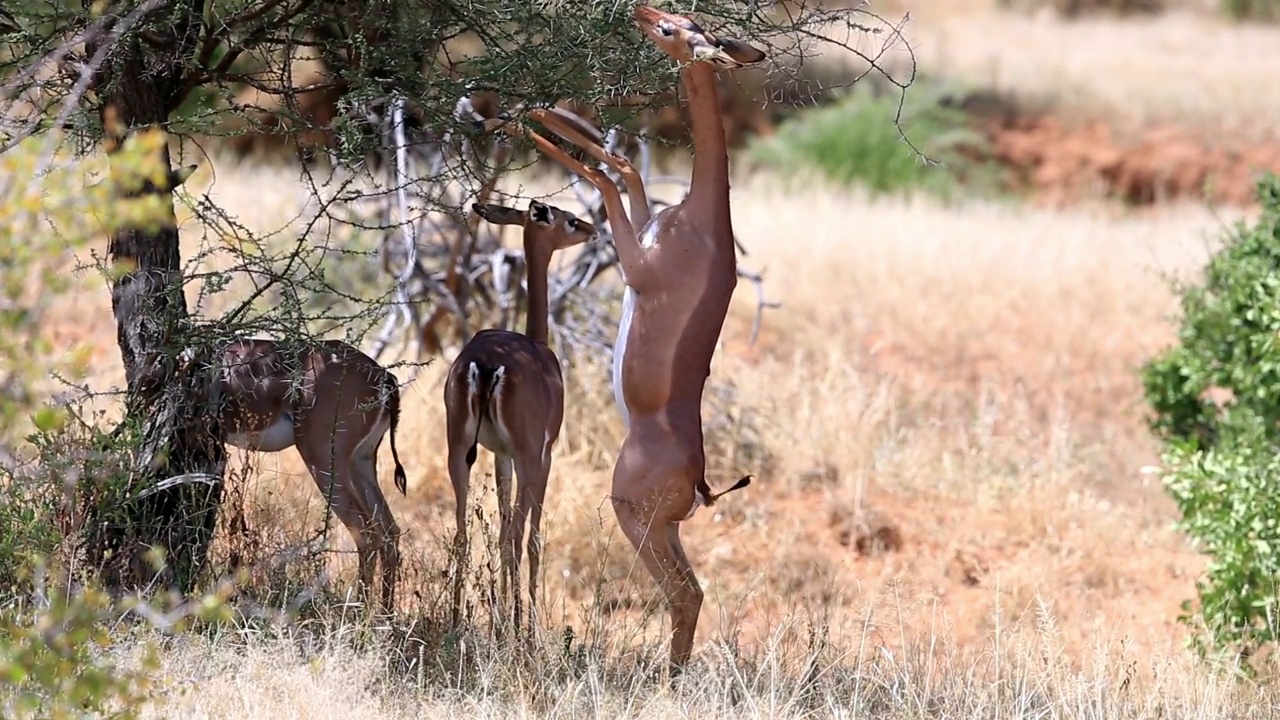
x=335 y=404
x=505 y=391
x=680 y=274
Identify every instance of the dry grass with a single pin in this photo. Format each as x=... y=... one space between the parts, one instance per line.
x=1178 y=66
x=957 y=383
x=1019 y=676
x=1187 y=65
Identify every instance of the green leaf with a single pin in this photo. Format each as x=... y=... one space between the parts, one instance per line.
x=49 y=419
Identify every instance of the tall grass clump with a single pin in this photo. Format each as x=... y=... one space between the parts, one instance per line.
x=859 y=141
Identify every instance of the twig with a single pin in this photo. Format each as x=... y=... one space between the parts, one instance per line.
x=579 y=319
x=87 y=72
x=757 y=279
x=177 y=480
x=398 y=315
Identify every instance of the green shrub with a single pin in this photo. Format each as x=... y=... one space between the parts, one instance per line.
x=80 y=654
x=1229 y=339
x=52 y=204
x=28 y=533
x=55 y=652
x=1227 y=497
x=1256 y=10
x=1221 y=458
x=856 y=141
x=55 y=662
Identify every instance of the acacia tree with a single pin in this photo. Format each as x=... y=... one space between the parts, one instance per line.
x=105 y=70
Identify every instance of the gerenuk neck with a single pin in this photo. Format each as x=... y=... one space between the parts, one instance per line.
x=539 y=263
x=709 y=186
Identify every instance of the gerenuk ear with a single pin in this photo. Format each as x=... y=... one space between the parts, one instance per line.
x=498 y=214
x=540 y=213
x=177 y=176
x=740 y=51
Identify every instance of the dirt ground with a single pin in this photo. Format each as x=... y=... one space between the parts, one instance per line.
x=1061 y=162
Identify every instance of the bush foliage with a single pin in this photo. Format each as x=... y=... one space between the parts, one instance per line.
x=55 y=659
x=1222 y=463
x=50 y=207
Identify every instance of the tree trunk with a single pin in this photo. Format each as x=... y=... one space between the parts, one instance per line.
x=169 y=499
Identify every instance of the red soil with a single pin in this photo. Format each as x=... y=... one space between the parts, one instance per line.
x=1061 y=163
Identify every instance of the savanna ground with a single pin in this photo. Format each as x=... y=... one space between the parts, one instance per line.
x=950 y=516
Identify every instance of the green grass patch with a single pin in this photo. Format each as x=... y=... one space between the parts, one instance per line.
x=1251 y=10
x=857 y=142
x=1082 y=8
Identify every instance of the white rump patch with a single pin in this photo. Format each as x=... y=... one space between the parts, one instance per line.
x=495 y=395
x=699 y=500
x=491 y=432
x=473 y=378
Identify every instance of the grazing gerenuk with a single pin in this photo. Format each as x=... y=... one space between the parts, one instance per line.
x=335 y=404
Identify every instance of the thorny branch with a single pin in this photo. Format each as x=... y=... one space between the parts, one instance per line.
x=421 y=251
x=461 y=273
x=25 y=83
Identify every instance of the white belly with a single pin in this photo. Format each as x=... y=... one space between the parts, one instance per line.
x=648 y=238
x=620 y=353
x=276 y=437
x=699 y=500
